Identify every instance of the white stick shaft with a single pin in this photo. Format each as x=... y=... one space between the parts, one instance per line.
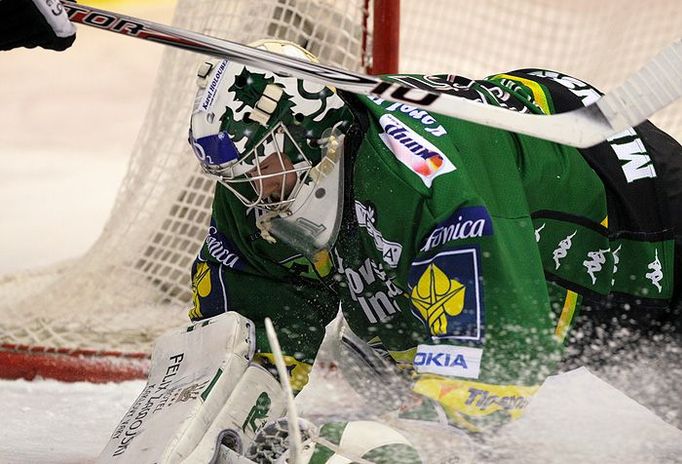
x=635 y=100
x=292 y=415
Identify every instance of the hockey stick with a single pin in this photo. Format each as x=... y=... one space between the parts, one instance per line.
x=295 y=444
x=655 y=86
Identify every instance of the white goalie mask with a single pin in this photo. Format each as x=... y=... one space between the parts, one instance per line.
x=276 y=143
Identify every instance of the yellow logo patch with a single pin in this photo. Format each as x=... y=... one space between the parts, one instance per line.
x=436 y=296
x=468 y=403
x=201 y=288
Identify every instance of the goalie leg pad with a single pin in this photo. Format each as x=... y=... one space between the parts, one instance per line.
x=257 y=399
x=194 y=371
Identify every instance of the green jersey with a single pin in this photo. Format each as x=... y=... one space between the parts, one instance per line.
x=464 y=251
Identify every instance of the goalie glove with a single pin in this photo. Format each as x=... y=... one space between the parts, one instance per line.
x=35 y=23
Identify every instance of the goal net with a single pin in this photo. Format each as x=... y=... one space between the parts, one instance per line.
x=134 y=284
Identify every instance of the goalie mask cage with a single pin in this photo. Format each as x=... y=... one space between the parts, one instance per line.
x=95 y=318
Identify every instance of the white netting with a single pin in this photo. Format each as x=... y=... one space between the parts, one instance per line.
x=134 y=282
x=601 y=42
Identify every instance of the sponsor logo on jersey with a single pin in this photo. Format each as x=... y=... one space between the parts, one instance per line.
x=390 y=251
x=616 y=260
x=485 y=400
x=561 y=251
x=537 y=232
x=258 y=415
x=629 y=148
x=467 y=222
x=595 y=263
x=371 y=288
x=460 y=361
x=413 y=150
x=656 y=274
x=436 y=297
x=221 y=249
x=209 y=292
x=476 y=399
x=201 y=288
x=446 y=294
x=424 y=117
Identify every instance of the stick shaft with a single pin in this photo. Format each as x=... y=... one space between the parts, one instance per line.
x=294 y=431
x=583 y=127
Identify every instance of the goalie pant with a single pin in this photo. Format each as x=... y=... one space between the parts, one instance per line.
x=523 y=231
x=35 y=23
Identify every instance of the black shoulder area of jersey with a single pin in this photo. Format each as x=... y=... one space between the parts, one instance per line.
x=633 y=165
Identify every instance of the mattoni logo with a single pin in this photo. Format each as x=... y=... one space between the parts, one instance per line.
x=460 y=361
x=413 y=150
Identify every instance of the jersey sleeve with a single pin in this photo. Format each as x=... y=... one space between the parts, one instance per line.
x=626 y=256
x=478 y=329
x=227 y=275
x=477 y=285
x=597 y=229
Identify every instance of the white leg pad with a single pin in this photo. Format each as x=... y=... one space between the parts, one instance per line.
x=194 y=371
x=256 y=400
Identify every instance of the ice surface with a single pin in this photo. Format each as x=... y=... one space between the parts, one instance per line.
x=575 y=417
x=45 y=421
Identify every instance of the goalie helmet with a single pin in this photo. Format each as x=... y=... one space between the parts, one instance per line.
x=276 y=143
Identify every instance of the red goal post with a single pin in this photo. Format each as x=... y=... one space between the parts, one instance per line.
x=385 y=50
